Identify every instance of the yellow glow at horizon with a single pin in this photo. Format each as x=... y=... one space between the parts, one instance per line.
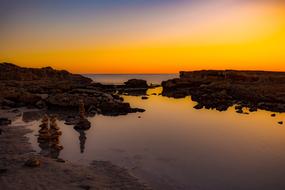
x=251 y=37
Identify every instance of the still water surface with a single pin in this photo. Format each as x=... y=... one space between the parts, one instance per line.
x=173 y=146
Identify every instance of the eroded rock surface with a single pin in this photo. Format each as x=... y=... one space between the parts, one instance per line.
x=47 y=87
x=215 y=89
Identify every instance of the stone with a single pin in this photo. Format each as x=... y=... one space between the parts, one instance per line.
x=33 y=162
x=92 y=110
x=273 y=115
x=60 y=160
x=144 y=98
x=253 y=109
x=222 y=107
x=71 y=120
x=40 y=104
x=239 y=111
x=134 y=110
x=5 y=121
x=199 y=106
x=280 y=122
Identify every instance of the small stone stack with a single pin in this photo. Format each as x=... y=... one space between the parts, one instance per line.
x=55 y=148
x=81 y=109
x=44 y=134
x=83 y=123
x=82 y=140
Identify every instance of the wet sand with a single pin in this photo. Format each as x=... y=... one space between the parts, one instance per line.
x=15 y=150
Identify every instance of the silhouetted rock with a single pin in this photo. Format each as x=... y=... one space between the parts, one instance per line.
x=199 y=106
x=219 y=90
x=136 y=83
x=47 y=88
x=144 y=97
x=13 y=72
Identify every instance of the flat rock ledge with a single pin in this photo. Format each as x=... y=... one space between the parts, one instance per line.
x=47 y=88
x=221 y=89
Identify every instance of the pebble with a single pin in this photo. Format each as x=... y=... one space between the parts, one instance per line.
x=33 y=162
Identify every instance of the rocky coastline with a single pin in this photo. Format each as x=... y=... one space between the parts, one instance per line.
x=47 y=88
x=47 y=94
x=221 y=89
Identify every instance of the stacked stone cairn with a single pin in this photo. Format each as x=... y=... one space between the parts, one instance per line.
x=83 y=123
x=48 y=139
x=55 y=148
x=44 y=134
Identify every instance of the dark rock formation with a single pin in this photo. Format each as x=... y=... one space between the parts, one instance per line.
x=136 y=83
x=132 y=87
x=222 y=89
x=47 y=88
x=10 y=71
x=144 y=97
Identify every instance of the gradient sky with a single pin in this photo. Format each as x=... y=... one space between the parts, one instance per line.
x=143 y=36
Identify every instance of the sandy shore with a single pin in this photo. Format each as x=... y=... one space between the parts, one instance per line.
x=15 y=150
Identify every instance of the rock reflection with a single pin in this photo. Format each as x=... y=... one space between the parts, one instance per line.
x=48 y=139
x=82 y=125
x=82 y=140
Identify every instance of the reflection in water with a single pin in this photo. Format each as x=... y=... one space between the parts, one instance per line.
x=49 y=137
x=82 y=140
x=173 y=146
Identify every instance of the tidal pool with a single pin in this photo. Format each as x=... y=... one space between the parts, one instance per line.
x=174 y=146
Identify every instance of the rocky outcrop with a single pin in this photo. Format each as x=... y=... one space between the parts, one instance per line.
x=132 y=87
x=222 y=89
x=136 y=83
x=46 y=88
x=13 y=72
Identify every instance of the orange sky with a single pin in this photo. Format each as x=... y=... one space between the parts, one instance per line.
x=159 y=39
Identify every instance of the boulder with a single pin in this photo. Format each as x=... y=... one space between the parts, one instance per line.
x=136 y=83
x=33 y=162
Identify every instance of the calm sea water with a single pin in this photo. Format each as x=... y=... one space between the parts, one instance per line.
x=173 y=146
x=121 y=78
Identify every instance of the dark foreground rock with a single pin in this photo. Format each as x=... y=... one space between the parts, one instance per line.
x=219 y=90
x=47 y=88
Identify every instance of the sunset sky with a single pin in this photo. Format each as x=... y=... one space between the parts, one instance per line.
x=143 y=36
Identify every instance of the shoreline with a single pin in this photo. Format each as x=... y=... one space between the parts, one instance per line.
x=15 y=150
